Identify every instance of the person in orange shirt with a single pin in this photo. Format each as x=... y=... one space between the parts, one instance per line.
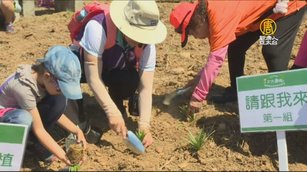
x=232 y=27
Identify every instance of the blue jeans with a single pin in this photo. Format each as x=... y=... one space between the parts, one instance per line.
x=50 y=109
x=17 y=116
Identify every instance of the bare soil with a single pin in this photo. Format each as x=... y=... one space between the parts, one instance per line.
x=225 y=149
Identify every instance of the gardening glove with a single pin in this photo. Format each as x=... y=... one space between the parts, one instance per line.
x=281 y=7
x=117 y=124
x=17 y=7
x=147 y=140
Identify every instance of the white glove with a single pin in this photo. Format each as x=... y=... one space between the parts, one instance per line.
x=281 y=7
x=17 y=7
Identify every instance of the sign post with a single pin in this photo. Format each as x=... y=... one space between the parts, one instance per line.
x=12 y=145
x=274 y=102
x=282 y=150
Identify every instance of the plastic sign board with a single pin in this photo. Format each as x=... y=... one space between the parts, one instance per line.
x=273 y=102
x=12 y=145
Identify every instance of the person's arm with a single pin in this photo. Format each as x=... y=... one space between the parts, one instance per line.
x=93 y=42
x=45 y=139
x=67 y=124
x=146 y=73
x=207 y=76
x=93 y=69
x=145 y=104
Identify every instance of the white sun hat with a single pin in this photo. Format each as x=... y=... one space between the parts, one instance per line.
x=139 y=20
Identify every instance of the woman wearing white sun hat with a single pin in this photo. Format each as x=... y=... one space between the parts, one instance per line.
x=127 y=66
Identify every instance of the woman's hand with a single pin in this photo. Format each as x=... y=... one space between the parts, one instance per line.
x=147 y=140
x=117 y=124
x=194 y=106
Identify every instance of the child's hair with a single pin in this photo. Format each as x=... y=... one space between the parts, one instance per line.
x=39 y=68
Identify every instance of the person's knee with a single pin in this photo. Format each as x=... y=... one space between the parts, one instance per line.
x=270 y=53
x=21 y=117
x=8 y=5
x=276 y=61
x=27 y=118
x=234 y=52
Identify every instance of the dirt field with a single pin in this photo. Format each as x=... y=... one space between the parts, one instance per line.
x=226 y=148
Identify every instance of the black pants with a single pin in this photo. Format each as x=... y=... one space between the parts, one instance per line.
x=122 y=84
x=276 y=56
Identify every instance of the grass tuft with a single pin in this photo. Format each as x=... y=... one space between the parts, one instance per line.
x=74 y=168
x=140 y=135
x=184 y=110
x=198 y=140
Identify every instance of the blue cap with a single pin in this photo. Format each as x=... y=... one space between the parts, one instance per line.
x=65 y=66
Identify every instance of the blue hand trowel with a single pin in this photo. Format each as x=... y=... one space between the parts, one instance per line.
x=134 y=143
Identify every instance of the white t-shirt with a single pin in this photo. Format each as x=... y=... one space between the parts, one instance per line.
x=94 y=39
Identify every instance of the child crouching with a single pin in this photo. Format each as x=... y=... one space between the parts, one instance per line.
x=36 y=96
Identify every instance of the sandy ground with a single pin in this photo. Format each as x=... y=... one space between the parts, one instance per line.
x=225 y=149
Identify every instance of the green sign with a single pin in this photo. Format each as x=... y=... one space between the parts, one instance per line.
x=273 y=102
x=12 y=146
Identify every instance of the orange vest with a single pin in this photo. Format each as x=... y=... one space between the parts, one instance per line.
x=229 y=19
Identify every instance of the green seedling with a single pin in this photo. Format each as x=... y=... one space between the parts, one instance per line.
x=74 y=168
x=191 y=117
x=140 y=135
x=184 y=110
x=197 y=141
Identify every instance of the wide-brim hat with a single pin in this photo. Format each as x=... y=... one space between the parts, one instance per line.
x=139 y=20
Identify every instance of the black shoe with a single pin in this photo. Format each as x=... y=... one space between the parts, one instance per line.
x=229 y=95
x=92 y=135
x=133 y=105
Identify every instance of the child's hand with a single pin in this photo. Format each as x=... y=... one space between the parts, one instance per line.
x=64 y=158
x=81 y=138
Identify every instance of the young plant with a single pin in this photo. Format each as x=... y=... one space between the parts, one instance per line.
x=197 y=141
x=74 y=168
x=191 y=117
x=184 y=110
x=140 y=135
